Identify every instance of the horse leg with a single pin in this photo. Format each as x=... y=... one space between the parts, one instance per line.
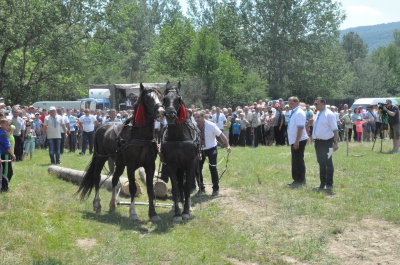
x=97 y=175
x=189 y=180
x=132 y=190
x=118 y=172
x=150 y=191
x=175 y=193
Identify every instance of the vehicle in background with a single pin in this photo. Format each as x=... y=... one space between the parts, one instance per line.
x=78 y=104
x=118 y=96
x=365 y=102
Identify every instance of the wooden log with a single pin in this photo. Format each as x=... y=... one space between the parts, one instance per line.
x=76 y=177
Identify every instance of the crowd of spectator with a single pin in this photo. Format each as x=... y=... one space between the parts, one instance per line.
x=262 y=123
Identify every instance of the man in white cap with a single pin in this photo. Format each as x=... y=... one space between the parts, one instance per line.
x=53 y=124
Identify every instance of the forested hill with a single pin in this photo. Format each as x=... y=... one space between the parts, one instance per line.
x=376 y=35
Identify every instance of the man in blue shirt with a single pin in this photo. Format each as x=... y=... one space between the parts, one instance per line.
x=6 y=153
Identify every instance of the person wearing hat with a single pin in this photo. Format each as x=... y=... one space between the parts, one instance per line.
x=359 y=124
x=18 y=133
x=53 y=124
x=38 y=126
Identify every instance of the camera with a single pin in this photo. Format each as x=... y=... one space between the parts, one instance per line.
x=381 y=105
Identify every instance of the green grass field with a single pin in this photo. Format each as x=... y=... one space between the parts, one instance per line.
x=255 y=220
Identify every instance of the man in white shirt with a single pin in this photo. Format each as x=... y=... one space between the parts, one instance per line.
x=87 y=122
x=208 y=133
x=326 y=137
x=219 y=119
x=54 y=125
x=297 y=137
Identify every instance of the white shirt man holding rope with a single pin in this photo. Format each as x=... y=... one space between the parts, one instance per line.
x=208 y=133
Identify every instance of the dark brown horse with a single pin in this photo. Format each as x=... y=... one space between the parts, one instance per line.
x=180 y=147
x=134 y=147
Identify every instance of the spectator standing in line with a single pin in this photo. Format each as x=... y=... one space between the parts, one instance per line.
x=6 y=154
x=71 y=130
x=53 y=124
x=297 y=137
x=208 y=133
x=88 y=123
x=248 y=115
x=354 y=118
x=219 y=118
x=255 y=127
x=326 y=137
x=63 y=132
x=38 y=130
x=348 y=124
x=287 y=111
x=18 y=133
x=279 y=134
x=236 y=128
x=30 y=136
x=394 y=123
x=243 y=125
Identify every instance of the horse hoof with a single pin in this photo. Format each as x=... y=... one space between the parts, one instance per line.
x=155 y=218
x=113 y=208
x=97 y=209
x=134 y=217
x=177 y=219
x=185 y=216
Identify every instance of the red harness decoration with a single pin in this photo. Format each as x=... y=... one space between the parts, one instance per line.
x=182 y=114
x=140 y=117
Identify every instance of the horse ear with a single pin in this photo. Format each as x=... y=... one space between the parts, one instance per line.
x=141 y=87
x=179 y=87
x=168 y=85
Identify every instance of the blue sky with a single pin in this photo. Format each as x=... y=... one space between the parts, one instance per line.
x=363 y=12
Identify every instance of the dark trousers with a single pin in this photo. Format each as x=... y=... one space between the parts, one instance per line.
x=87 y=137
x=279 y=135
x=242 y=138
x=249 y=139
x=7 y=172
x=54 y=150
x=72 y=141
x=211 y=154
x=325 y=164
x=62 y=145
x=349 y=133
x=235 y=140
x=18 y=148
x=298 y=165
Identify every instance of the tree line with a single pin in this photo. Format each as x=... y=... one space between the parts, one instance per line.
x=225 y=52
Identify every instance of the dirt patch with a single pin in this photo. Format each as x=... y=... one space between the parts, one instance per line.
x=86 y=243
x=367 y=242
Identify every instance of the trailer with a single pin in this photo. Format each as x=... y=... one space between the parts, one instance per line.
x=118 y=96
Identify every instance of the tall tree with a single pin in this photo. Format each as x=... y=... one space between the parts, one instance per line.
x=41 y=43
x=354 y=46
x=285 y=35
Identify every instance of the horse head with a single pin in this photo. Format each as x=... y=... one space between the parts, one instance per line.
x=148 y=105
x=173 y=104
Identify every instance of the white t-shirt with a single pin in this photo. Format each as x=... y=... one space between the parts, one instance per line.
x=211 y=131
x=324 y=125
x=219 y=120
x=53 y=126
x=297 y=119
x=88 y=122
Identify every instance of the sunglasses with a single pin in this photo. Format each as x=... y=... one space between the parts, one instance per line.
x=316 y=104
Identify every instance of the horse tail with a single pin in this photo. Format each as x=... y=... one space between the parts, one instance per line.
x=90 y=177
x=89 y=180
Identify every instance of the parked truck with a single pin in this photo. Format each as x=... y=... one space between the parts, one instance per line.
x=118 y=96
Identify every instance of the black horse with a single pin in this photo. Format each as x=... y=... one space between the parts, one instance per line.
x=134 y=147
x=180 y=149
